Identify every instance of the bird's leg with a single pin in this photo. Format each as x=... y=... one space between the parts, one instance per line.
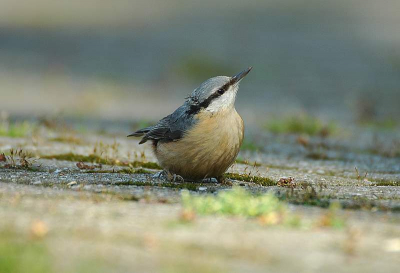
x=173 y=177
x=209 y=180
x=159 y=174
x=167 y=175
x=221 y=179
x=177 y=178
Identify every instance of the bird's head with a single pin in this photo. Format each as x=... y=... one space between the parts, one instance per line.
x=216 y=94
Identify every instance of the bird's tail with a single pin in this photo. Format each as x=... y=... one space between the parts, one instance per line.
x=140 y=132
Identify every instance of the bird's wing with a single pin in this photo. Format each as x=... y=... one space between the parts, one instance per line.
x=170 y=128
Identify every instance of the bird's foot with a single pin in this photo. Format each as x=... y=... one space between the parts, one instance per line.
x=177 y=178
x=209 y=180
x=159 y=175
x=224 y=181
x=171 y=177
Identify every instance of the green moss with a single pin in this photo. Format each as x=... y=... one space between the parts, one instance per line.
x=263 y=181
x=93 y=158
x=386 y=182
x=234 y=202
x=18 y=129
x=23 y=254
x=300 y=124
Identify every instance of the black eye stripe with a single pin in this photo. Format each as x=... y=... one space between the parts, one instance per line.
x=223 y=89
x=195 y=108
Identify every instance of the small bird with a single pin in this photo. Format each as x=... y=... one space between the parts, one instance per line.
x=201 y=138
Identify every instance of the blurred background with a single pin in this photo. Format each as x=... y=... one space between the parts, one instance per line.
x=133 y=60
x=321 y=109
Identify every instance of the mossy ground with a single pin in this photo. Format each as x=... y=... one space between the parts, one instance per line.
x=114 y=198
x=263 y=181
x=23 y=254
x=15 y=129
x=268 y=208
x=93 y=158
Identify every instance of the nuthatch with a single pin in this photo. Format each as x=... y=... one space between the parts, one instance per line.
x=201 y=138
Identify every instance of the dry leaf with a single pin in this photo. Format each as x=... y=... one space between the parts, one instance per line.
x=287 y=182
x=39 y=229
x=187 y=216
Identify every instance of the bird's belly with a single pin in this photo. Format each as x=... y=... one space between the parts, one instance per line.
x=207 y=150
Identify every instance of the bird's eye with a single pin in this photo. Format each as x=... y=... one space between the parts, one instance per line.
x=221 y=91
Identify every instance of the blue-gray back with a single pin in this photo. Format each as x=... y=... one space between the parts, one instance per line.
x=174 y=126
x=170 y=128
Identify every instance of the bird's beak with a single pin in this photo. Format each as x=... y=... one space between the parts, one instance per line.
x=235 y=79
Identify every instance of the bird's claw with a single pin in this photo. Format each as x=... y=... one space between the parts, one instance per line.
x=169 y=176
x=158 y=175
x=224 y=181
x=177 y=178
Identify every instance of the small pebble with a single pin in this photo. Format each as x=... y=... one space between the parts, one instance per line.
x=202 y=188
x=72 y=183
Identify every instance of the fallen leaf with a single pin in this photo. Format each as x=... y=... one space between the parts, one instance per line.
x=287 y=182
x=187 y=216
x=39 y=229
